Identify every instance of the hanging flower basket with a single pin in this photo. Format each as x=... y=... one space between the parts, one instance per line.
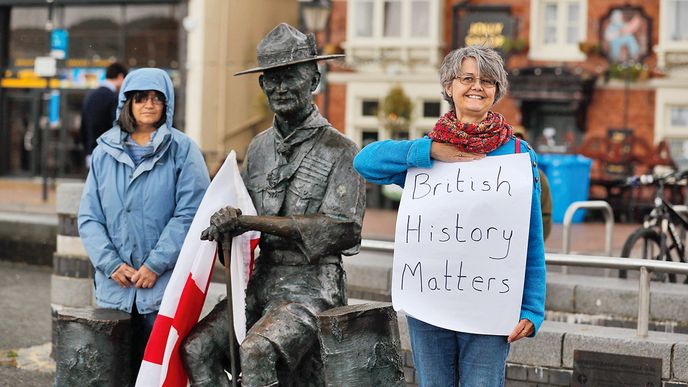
x=515 y=46
x=396 y=110
x=590 y=48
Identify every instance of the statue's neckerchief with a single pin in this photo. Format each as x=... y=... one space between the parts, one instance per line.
x=287 y=162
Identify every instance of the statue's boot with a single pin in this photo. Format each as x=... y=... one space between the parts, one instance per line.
x=258 y=362
x=205 y=351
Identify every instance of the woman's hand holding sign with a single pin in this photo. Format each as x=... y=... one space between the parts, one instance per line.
x=524 y=328
x=449 y=153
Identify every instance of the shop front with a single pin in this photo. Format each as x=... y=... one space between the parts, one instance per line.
x=40 y=116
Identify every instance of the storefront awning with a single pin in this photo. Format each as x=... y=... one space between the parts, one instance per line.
x=84 y=2
x=556 y=84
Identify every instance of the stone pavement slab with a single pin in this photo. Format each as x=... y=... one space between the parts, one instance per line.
x=680 y=361
x=25 y=325
x=36 y=358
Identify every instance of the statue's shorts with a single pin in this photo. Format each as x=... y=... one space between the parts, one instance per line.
x=282 y=303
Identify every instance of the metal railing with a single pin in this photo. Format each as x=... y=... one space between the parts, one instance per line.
x=644 y=266
x=589 y=205
x=608 y=226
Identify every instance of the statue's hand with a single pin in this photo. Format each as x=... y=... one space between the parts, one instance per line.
x=223 y=222
x=208 y=234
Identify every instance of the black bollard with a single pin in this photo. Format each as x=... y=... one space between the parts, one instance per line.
x=360 y=345
x=93 y=347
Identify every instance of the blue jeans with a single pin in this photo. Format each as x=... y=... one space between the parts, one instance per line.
x=443 y=356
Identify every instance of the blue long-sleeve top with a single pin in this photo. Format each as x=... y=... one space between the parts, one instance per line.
x=386 y=162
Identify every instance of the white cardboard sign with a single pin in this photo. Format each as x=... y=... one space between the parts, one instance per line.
x=461 y=242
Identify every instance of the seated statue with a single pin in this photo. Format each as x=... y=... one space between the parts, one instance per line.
x=310 y=205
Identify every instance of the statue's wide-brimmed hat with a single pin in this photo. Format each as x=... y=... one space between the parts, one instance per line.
x=284 y=46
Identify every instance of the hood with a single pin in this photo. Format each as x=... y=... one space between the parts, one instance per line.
x=149 y=79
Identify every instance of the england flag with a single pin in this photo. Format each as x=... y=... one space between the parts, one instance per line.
x=185 y=293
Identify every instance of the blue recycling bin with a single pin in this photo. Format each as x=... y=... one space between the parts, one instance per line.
x=569 y=181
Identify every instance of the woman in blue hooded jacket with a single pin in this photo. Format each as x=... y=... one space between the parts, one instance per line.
x=145 y=184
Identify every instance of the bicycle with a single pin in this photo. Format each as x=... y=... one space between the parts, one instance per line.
x=662 y=235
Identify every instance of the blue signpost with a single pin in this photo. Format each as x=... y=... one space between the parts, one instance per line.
x=59 y=42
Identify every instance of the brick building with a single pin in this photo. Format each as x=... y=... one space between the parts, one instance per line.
x=582 y=67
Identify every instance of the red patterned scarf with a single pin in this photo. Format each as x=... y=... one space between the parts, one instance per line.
x=483 y=137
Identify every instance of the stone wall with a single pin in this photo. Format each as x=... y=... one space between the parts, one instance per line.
x=28 y=238
x=547 y=359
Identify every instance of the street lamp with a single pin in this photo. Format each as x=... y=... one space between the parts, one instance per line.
x=314 y=14
x=314 y=17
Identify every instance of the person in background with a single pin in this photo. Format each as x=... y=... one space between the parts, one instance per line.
x=545 y=194
x=98 y=112
x=144 y=186
x=473 y=79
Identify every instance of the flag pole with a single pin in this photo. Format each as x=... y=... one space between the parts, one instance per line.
x=225 y=250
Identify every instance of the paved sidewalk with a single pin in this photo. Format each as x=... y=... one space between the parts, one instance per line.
x=25 y=326
x=25 y=195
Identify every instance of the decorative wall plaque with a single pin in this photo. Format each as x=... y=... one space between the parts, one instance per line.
x=600 y=369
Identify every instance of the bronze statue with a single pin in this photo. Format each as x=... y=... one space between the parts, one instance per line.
x=310 y=205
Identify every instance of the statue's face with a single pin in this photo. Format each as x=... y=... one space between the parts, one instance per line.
x=289 y=88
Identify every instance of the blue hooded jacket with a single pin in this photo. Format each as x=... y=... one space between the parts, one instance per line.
x=139 y=215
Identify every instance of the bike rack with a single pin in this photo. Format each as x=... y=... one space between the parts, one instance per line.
x=608 y=223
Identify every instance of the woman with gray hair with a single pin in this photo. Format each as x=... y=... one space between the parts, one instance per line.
x=473 y=79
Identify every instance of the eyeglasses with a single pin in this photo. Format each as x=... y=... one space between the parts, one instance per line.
x=469 y=80
x=143 y=97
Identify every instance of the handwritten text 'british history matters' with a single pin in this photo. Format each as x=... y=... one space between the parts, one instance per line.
x=461 y=242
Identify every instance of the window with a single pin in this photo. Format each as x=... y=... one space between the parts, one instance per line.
x=420 y=27
x=368 y=136
x=364 y=18
x=671 y=113
x=28 y=38
x=136 y=35
x=380 y=33
x=363 y=100
x=392 y=19
x=677 y=26
x=431 y=109
x=678 y=149
x=557 y=26
x=673 y=33
x=678 y=116
x=369 y=108
x=573 y=35
x=400 y=135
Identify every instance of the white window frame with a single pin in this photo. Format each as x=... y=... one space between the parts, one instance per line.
x=561 y=51
x=378 y=24
x=666 y=44
x=357 y=92
x=405 y=37
x=665 y=99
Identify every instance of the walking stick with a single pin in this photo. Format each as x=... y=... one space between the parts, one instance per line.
x=225 y=251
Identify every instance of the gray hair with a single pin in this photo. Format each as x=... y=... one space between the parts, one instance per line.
x=490 y=65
